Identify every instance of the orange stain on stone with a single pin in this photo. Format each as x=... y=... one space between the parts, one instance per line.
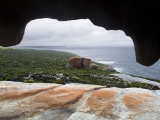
x=58 y=97
x=135 y=101
x=46 y=99
x=18 y=94
x=102 y=101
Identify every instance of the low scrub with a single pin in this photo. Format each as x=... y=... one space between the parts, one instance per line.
x=50 y=67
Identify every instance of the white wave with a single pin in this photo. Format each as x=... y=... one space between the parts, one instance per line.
x=158 y=92
x=118 y=69
x=106 y=62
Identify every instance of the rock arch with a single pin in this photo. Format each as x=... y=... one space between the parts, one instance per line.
x=137 y=19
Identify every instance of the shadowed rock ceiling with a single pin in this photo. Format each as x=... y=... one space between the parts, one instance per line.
x=137 y=19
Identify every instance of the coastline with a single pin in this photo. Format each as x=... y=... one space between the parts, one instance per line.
x=48 y=66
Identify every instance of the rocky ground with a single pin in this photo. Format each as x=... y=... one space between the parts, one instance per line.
x=48 y=101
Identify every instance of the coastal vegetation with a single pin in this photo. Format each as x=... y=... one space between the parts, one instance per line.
x=26 y=65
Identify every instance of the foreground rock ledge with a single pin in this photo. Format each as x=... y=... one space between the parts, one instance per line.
x=43 y=101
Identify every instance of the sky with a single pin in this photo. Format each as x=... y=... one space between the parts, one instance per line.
x=51 y=32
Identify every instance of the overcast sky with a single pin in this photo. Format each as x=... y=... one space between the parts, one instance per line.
x=50 y=32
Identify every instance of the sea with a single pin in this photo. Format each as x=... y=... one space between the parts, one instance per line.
x=121 y=59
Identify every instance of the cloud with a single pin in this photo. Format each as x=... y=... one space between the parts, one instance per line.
x=50 y=32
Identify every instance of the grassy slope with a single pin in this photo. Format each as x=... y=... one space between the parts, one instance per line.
x=44 y=65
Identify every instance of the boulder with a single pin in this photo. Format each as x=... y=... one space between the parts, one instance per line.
x=79 y=62
x=60 y=75
x=45 y=101
x=94 y=66
x=109 y=68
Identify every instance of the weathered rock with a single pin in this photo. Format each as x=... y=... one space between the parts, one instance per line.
x=79 y=62
x=26 y=77
x=38 y=76
x=138 y=19
x=109 y=68
x=42 y=101
x=60 y=75
x=94 y=66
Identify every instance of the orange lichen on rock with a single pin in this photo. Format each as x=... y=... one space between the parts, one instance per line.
x=76 y=101
x=18 y=94
x=136 y=101
x=48 y=99
x=102 y=101
x=58 y=97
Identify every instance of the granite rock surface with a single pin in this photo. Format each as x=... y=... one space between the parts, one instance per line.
x=46 y=101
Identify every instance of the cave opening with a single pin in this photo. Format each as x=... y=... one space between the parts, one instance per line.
x=50 y=32
x=82 y=37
